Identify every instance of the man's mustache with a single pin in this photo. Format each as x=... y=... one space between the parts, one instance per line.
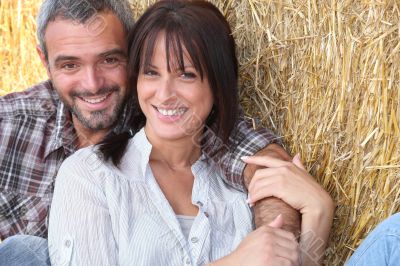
x=100 y=92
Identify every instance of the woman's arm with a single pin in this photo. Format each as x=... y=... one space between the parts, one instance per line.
x=80 y=231
x=246 y=140
x=266 y=209
x=290 y=182
x=266 y=246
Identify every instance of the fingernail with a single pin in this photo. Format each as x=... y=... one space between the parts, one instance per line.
x=244 y=158
x=249 y=202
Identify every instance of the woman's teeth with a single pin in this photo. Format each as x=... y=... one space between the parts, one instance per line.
x=172 y=112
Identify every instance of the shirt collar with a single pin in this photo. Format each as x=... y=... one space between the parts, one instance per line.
x=137 y=154
x=62 y=132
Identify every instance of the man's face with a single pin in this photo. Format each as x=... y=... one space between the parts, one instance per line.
x=87 y=66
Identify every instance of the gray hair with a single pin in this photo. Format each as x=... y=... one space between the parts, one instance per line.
x=80 y=11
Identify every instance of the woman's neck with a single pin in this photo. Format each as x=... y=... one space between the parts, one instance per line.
x=176 y=154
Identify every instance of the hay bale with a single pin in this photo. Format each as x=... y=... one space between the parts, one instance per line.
x=20 y=66
x=324 y=74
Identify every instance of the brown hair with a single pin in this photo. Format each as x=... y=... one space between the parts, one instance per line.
x=199 y=27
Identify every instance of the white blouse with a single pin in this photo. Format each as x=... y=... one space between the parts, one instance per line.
x=102 y=215
x=185 y=222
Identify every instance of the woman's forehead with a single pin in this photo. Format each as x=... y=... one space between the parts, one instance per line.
x=170 y=46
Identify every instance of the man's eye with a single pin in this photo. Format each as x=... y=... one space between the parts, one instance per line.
x=111 y=60
x=69 y=66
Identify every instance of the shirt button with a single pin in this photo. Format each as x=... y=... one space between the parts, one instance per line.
x=194 y=239
x=47 y=106
x=187 y=261
x=67 y=243
x=206 y=214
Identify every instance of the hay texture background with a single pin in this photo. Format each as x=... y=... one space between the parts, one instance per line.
x=323 y=74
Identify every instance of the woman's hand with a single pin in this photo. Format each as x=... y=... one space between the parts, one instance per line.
x=266 y=246
x=290 y=182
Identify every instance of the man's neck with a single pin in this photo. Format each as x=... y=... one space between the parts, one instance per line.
x=87 y=136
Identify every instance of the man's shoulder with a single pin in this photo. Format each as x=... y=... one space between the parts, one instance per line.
x=38 y=100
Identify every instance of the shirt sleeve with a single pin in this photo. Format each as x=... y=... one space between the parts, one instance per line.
x=246 y=139
x=80 y=229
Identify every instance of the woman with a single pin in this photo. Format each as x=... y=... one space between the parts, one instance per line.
x=156 y=198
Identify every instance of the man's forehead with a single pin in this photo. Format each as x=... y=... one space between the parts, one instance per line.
x=99 y=34
x=95 y=24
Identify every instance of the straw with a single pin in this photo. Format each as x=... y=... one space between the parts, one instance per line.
x=323 y=74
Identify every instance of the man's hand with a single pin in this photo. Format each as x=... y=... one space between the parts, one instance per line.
x=267 y=209
x=290 y=182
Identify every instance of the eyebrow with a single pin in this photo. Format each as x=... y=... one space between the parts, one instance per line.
x=62 y=58
x=185 y=66
x=115 y=51
x=152 y=66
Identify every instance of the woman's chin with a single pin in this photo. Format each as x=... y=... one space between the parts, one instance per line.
x=171 y=134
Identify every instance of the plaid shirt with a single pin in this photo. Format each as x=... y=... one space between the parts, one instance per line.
x=36 y=135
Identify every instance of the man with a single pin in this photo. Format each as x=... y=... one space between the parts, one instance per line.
x=381 y=246
x=83 y=46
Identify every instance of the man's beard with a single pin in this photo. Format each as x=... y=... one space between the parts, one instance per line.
x=97 y=120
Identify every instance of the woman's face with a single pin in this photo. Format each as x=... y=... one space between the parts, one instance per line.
x=176 y=103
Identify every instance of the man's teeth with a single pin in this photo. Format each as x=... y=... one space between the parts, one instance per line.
x=95 y=100
x=171 y=112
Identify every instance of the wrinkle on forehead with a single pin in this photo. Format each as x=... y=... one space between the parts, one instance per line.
x=67 y=36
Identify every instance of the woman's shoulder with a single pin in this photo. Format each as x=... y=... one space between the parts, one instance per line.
x=85 y=164
x=86 y=157
x=88 y=162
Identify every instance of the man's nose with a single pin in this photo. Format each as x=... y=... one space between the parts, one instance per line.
x=92 y=80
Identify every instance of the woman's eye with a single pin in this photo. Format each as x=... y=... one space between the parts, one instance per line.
x=188 y=75
x=150 y=73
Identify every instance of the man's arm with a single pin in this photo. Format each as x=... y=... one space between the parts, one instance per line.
x=267 y=209
x=291 y=182
x=246 y=140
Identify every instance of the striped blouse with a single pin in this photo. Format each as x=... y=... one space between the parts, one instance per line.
x=104 y=215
